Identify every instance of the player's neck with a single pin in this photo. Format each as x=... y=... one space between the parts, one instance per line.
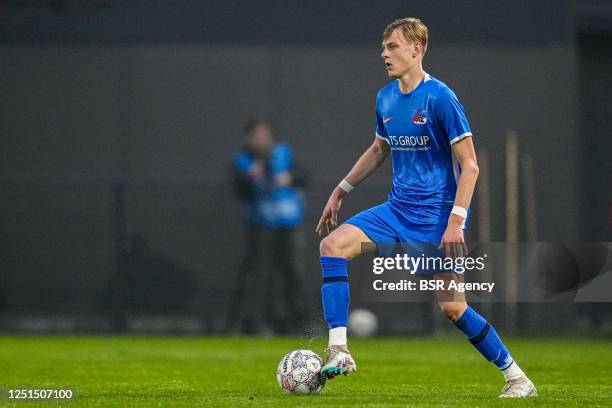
x=411 y=79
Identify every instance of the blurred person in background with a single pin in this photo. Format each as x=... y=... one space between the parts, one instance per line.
x=265 y=181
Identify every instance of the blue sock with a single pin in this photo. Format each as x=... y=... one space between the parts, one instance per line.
x=484 y=337
x=335 y=291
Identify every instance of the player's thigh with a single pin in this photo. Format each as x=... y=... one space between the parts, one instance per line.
x=346 y=241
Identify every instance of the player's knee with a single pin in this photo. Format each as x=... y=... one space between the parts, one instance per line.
x=452 y=310
x=330 y=246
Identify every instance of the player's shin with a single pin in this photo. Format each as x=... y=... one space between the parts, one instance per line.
x=486 y=340
x=336 y=295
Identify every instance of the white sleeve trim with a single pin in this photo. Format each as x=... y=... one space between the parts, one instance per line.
x=380 y=137
x=461 y=136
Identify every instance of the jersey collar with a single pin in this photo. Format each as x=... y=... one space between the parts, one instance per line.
x=426 y=78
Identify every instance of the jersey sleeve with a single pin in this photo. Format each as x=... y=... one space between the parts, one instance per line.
x=452 y=117
x=381 y=132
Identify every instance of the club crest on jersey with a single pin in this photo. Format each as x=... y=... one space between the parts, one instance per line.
x=419 y=117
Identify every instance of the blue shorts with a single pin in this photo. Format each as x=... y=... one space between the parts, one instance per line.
x=393 y=233
x=385 y=224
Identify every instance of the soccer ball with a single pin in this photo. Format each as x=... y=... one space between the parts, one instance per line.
x=298 y=372
x=362 y=323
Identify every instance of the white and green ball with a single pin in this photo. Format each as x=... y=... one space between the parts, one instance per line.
x=298 y=372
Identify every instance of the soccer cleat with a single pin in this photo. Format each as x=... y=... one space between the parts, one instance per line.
x=339 y=361
x=520 y=387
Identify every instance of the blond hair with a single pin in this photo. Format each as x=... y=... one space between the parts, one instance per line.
x=412 y=29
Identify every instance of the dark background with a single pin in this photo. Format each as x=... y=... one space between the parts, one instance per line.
x=119 y=119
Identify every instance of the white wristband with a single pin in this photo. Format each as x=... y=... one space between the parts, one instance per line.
x=346 y=186
x=460 y=211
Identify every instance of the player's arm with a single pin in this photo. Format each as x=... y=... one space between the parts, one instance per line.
x=466 y=156
x=369 y=161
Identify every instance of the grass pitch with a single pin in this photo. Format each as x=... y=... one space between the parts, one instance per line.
x=238 y=371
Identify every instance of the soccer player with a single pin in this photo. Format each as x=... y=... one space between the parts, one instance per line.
x=420 y=122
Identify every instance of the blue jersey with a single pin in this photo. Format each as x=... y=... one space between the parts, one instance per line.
x=420 y=128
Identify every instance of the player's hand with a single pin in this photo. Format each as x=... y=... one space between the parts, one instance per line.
x=453 y=241
x=329 y=218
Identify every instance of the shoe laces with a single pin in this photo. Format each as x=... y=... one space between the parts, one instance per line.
x=515 y=385
x=333 y=350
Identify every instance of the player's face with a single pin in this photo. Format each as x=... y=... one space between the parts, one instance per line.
x=399 y=54
x=261 y=139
